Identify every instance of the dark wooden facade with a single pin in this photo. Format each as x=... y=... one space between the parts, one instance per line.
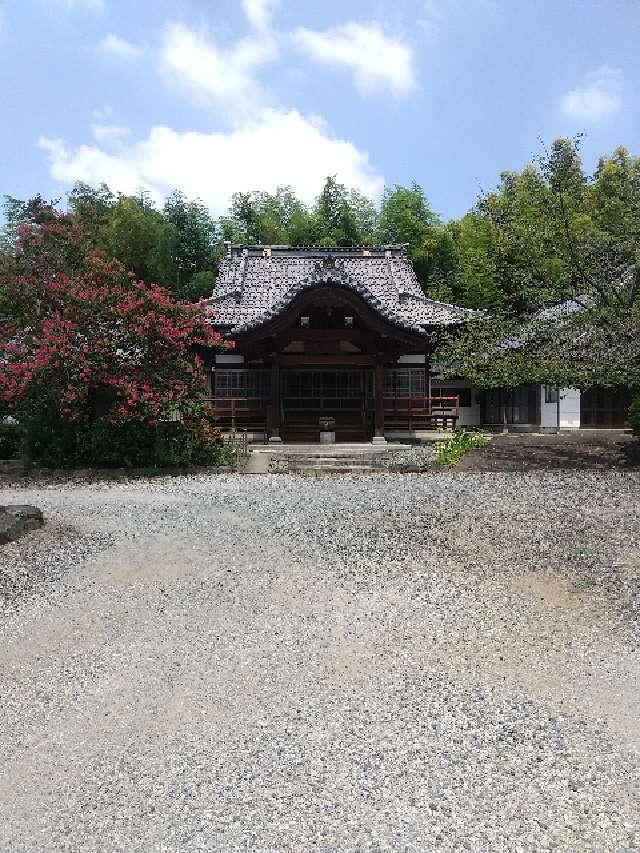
x=337 y=339
x=328 y=357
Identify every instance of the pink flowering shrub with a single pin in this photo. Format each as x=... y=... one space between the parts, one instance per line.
x=90 y=357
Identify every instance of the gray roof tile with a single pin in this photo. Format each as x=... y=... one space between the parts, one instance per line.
x=256 y=283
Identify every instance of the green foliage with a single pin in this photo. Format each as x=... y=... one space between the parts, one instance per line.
x=614 y=198
x=405 y=217
x=269 y=218
x=596 y=346
x=195 y=440
x=341 y=217
x=106 y=445
x=92 y=207
x=10 y=440
x=189 y=248
x=548 y=232
x=476 y=279
x=634 y=416
x=200 y=286
x=51 y=442
x=177 y=247
x=14 y=212
x=553 y=235
x=451 y=451
x=134 y=233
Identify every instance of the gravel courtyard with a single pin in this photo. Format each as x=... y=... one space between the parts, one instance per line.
x=270 y=663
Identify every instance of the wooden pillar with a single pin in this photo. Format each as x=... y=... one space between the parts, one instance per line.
x=378 y=390
x=427 y=380
x=274 y=437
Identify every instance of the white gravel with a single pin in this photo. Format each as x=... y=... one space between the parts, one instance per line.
x=277 y=663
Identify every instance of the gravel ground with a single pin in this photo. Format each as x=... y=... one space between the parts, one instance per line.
x=598 y=449
x=421 y=457
x=277 y=663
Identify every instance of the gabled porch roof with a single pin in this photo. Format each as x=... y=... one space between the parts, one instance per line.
x=257 y=283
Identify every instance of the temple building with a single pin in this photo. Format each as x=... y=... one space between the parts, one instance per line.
x=339 y=342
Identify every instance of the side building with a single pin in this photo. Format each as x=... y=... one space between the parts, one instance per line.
x=341 y=340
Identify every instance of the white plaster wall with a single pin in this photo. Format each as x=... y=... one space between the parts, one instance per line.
x=569 y=410
x=469 y=415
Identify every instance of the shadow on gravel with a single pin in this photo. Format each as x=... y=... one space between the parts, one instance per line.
x=87 y=476
x=31 y=563
x=593 y=450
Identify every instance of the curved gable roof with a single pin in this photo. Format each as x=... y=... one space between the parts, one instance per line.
x=256 y=283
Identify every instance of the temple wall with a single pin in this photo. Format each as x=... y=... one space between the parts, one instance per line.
x=469 y=415
x=569 y=410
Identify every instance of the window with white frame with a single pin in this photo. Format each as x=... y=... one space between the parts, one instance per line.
x=404 y=382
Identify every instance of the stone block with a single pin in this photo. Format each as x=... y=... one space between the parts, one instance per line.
x=30 y=516
x=18 y=519
x=10 y=528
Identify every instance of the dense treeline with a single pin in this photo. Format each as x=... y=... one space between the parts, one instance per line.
x=508 y=253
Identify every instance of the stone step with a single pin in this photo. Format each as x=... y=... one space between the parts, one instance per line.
x=355 y=463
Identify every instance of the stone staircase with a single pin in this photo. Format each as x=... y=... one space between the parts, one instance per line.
x=339 y=459
x=335 y=460
x=322 y=463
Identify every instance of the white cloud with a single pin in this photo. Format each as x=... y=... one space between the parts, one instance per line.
x=109 y=134
x=93 y=166
x=277 y=148
x=377 y=60
x=599 y=97
x=259 y=12
x=118 y=47
x=221 y=74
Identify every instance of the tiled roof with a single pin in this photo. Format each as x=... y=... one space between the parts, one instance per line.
x=256 y=283
x=561 y=310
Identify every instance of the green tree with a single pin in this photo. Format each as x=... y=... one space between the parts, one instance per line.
x=269 y=218
x=341 y=217
x=135 y=233
x=92 y=208
x=18 y=214
x=614 y=197
x=511 y=248
x=189 y=248
x=476 y=282
x=599 y=344
x=406 y=218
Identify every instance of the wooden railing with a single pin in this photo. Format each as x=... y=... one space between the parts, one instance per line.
x=233 y=406
x=254 y=414
x=428 y=405
x=416 y=412
x=247 y=413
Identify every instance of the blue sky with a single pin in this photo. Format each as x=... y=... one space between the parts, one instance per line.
x=212 y=96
